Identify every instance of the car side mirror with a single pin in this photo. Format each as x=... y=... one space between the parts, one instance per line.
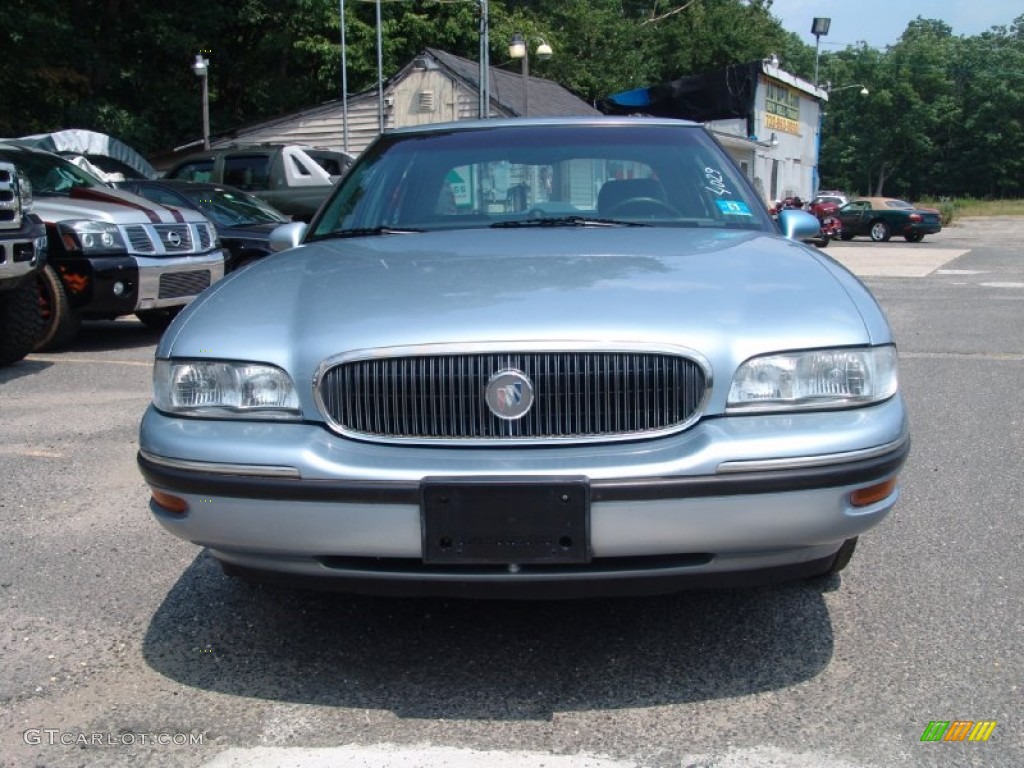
x=287 y=236
x=798 y=225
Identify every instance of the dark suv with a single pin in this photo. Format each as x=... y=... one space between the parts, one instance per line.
x=293 y=179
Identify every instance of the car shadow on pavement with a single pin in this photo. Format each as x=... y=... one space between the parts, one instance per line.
x=21 y=368
x=111 y=335
x=497 y=660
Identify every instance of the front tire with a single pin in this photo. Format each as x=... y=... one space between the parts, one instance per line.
x=61 y=321
x=21 y=321
x=880 y=232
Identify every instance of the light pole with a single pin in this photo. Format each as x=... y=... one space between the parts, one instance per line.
x=344 y=79
x=863 y=88
x=201 y=66
x=819 y=28
x=485 y=63
x=518 y=48
x=829 y=90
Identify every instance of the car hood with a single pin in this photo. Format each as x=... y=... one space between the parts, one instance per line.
x=249 y=231
x=724 y=294
x=116 y=206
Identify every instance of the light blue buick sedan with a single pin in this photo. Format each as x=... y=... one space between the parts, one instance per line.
x=531 y=358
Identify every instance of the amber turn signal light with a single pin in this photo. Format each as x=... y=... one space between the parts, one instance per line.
x=862 y=497
x=174 y=504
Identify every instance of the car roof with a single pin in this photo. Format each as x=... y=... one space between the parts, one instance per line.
x=519 y=122
x=878 y=202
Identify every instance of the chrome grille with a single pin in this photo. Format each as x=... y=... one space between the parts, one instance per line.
x=10 y=211
x=204 y=236
x=175 y=237
x=582 y=395
x=177 y=284
x=139 y=239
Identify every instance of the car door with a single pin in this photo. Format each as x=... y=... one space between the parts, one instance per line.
x=855 y=217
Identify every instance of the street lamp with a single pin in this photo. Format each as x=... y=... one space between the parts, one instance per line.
x=518 y=48
x=201 y=66
x=819 y=28
x=863 y=88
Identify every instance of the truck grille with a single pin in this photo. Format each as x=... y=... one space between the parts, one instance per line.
x=174 y=285
x=168 y=239
x=176 y=238
x=139 y=240
x=584 y=395
x=10 y=208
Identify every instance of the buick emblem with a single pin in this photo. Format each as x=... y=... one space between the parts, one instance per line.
x=509 y=394
x=173 y=239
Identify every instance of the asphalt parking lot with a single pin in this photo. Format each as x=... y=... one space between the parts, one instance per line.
x=123 y=646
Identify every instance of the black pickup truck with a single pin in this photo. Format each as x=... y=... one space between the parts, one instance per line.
x=22 y=256
x=293 y=179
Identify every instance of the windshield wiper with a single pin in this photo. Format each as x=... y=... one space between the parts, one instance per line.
x=567 y=221
x=371 y=232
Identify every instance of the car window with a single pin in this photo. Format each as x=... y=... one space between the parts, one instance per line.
x=231 y=208
x=335 y=163
x=159 y=195
x=247 y=172
x=299 y=167
x=51 y=174
x=198 y=170
x=473 y=177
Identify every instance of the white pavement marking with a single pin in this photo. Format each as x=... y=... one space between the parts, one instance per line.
x=1002 y=285
x=427 y=756
x=908 y=260
x=100 y=360
x=391 y=756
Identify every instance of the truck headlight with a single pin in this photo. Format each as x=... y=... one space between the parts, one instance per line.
x=216 y=389
x=91 y=236
x=819 y=378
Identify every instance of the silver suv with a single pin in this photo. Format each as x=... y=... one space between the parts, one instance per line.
x=111 y=253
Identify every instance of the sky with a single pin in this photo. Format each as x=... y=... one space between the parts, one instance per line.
x=881 y=22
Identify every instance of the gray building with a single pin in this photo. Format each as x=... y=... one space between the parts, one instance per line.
x=434 y=87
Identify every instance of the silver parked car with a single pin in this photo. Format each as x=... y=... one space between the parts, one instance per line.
x=531 y=358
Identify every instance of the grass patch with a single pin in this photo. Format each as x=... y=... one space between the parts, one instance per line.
x=966 y=206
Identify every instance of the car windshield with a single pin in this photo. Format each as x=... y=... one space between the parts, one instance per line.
x=231 y=209
x=539 y=174
x=897 y=204
x=50 y=174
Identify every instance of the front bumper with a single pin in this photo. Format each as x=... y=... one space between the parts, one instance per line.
x=22 y=252
x=173 y=282
x=655 y=524
x=111 y=286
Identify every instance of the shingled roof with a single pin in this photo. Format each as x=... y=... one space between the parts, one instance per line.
x=547 y=98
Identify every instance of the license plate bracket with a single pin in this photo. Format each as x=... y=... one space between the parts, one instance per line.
x=505 y=521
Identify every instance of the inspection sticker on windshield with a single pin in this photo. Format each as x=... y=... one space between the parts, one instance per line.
x=733 y=207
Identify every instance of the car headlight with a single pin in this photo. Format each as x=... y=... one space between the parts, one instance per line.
x=819 y=378
x=214 y=389
x=25 y=186
x=91 y=236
